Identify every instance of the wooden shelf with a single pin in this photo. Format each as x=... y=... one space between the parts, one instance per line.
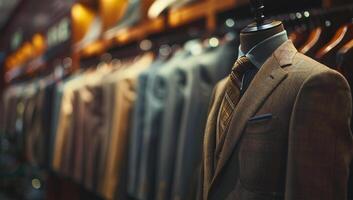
x=123 y=37
x=205 y=9
x=94 y=48
x=140 y=31
x=195 y=12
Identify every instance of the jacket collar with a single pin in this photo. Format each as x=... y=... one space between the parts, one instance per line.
x=264 y=83
x=262 y=51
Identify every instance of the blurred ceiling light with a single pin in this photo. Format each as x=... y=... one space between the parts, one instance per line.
x=82 y=18
x=328 y=23
x=78 y=11
x=111 y=11
x=230 y=23
x=165 y=50
x=299 y=15
x=214 y=42
x=38 y=42
x=307 y=14
x=36 y=183
x=28 y=50
x=145 y=45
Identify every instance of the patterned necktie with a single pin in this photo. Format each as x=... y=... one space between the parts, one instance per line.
x=239 y=79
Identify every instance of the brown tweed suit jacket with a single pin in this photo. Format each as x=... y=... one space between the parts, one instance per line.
x=289 y=137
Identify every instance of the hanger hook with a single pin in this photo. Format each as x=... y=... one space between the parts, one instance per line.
x=258 y=9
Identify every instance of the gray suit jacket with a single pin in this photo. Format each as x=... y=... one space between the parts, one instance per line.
x=155 y=105
x=202 y=73
x=138 y=126
x=172 y=82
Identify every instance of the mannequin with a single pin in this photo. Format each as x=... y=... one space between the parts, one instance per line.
x=258 y=41
x=260 y=30
x=273 y=130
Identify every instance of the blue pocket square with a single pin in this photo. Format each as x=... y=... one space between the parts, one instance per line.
x=260 y=117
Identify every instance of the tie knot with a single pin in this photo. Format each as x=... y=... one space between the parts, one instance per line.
x=241 y=66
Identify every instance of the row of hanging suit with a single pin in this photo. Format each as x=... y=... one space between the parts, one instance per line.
x=128 y=129
x=134 y=129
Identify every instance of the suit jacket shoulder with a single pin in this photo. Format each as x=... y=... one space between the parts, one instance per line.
x=304 y=69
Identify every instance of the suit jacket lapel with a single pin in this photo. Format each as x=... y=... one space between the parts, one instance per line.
x=266 y=80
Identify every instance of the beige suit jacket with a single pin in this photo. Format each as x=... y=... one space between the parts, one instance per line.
x=114 y=180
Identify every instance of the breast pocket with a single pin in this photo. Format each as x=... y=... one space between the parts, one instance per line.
x=261 y=127
x=262 y=156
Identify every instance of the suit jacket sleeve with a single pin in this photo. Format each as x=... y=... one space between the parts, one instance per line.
x=320 y=140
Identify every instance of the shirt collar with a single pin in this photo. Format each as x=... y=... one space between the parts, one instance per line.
x=263 y=50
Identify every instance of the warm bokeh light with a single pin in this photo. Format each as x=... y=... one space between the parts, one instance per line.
x=93 y=48
x=111 y=11
x=82 y=18
x=27 y=51
x=38 y=42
